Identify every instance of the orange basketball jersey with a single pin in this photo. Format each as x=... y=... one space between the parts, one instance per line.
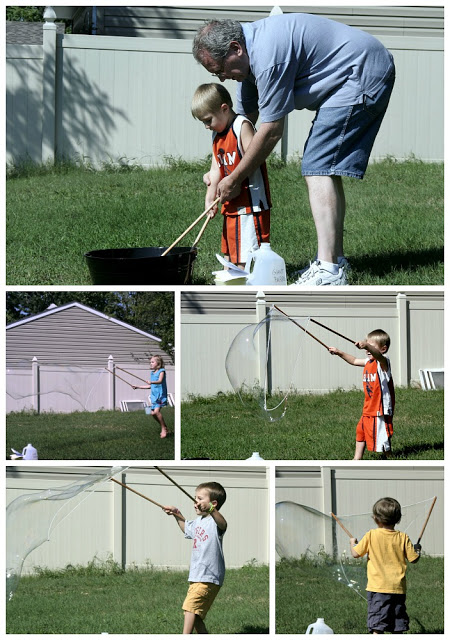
x=379 y=394
x=255 y=192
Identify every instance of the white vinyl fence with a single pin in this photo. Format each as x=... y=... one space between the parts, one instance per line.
x=63 y=389
x=134 y=532
x=353 y=490
x=127 y=100
x=211 y=321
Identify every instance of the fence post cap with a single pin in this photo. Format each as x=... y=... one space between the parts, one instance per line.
x=49 y=14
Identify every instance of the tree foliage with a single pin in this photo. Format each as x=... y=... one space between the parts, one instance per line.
x=149 y=311
x=25 y=14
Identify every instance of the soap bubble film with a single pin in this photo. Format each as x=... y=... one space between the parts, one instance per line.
x=62 y=387
x=305 y=532
x=32 y=518
x=261 y=363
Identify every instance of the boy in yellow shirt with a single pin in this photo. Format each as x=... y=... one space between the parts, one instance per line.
x=388 y=551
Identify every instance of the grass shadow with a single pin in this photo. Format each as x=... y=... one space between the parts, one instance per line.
x=252 y=630
x=418 y=448
x=384 y=263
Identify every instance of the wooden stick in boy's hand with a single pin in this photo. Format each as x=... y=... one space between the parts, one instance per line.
x=125 y=486
x=175 y=483
x=174 y=511
x=191 y=226
x=300 y=327
x=332 y=330
x=341 y=525
x=426 y=521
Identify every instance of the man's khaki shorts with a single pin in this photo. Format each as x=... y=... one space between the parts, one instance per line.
x=200 y=597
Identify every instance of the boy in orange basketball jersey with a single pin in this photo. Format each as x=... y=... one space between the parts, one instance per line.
x=375 y=429
x=247 y=217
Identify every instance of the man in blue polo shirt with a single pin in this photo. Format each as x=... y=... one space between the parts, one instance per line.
x=302 y=61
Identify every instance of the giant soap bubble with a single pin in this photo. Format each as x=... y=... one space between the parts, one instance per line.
x=262 y=360
x=61 y=387
x=32 y=518
x=306 y=533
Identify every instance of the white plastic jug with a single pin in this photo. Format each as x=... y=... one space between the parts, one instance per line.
x=255 y=456
x=319 y=626
x=29 y=453
x=269 y=268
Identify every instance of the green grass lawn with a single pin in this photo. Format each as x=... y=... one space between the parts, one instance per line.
x=393 y=235
x=305 y=592
x=103 y=435
x=315 y=427
x=92 y=601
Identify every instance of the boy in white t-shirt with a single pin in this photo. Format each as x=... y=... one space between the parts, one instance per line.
x=207 y=568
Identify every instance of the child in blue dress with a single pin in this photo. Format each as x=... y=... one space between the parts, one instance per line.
x=158 y=391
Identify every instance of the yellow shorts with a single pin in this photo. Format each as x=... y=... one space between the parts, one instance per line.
x=200 y=597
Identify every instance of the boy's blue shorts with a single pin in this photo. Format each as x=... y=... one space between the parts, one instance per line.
x=387 y=612
x=341 y=138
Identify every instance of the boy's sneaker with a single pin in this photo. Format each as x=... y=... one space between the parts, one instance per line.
x=316 y=276
x=343 y=263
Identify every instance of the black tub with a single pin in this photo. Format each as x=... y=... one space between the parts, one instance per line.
x=141 y=266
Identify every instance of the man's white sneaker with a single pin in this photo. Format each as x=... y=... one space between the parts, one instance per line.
x=316 y=276
x=343 y=263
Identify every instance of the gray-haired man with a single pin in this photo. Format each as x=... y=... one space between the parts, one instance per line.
x=302 y=61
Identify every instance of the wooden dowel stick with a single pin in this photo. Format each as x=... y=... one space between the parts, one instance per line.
x=115 y=374
x=175 y=483
x=332 y=330
x=426 y=521
x=131 y=374
x=191 y=226
x=204 y=225
x=302 y=328
x=341 y=525
x=137 y=493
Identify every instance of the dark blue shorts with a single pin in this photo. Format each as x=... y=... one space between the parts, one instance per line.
x=387 y=612
x=341 y=138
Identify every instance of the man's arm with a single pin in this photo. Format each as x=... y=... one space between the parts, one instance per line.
x=259 y=149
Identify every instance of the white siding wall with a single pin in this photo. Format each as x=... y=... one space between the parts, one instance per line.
x=77 y=336
x=183 y=21
x=210 y=322
x=128 y=99
x=353 y=490
x=134 y=531
x=72 y=347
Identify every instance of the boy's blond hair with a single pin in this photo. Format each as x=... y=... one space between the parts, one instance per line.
x=381 y=338
x=216 y=492
x=387 y=511
x=208 y=98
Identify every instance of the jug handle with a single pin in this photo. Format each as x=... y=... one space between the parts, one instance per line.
x=308 y=629
x=249 y=261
